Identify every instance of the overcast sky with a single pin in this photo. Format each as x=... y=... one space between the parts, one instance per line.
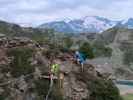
x=35 y=12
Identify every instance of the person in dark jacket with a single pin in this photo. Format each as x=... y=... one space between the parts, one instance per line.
x=80 y=58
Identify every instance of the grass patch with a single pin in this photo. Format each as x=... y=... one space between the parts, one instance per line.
x=128 y=97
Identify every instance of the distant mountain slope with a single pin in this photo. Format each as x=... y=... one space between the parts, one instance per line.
x=86 y=24
x=128 y=23
x=90 y=24
x=116 y=35
x=10 y=29
x=60 y=26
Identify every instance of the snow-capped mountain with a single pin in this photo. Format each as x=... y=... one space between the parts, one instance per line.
x=97 y=24
x=128 y=23
x=60 y=26
x=86 y=24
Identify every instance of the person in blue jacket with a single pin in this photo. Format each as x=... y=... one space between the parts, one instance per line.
x=80 y=58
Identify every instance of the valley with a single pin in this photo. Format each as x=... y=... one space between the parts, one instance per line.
x=107 y=57
x=66 y=50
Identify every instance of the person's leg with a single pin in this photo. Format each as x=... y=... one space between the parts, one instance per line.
x=78 y=61
x=82 y=65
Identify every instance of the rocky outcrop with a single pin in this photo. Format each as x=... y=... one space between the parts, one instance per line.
x=75 y=85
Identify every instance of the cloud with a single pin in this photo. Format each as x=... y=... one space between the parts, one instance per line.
x=35 y=12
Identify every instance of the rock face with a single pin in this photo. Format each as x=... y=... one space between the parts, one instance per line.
x=74 y=88
x=76 y=84
x=121 y=42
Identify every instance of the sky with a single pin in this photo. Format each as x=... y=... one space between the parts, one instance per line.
x=35 y=12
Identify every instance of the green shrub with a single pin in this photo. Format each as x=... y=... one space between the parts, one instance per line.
x=67 y=42
x=128 y=56
x=99 y=88
x=2 y=97
x=107 y=52
x=87 y=50
x=20 y=64
x=104 y=90
x=100 y=50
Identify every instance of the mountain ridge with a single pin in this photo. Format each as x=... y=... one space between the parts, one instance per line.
x=90 y=24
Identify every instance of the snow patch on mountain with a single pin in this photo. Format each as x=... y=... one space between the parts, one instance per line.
x=86 y=24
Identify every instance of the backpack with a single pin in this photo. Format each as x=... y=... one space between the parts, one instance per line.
x=55 y=68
